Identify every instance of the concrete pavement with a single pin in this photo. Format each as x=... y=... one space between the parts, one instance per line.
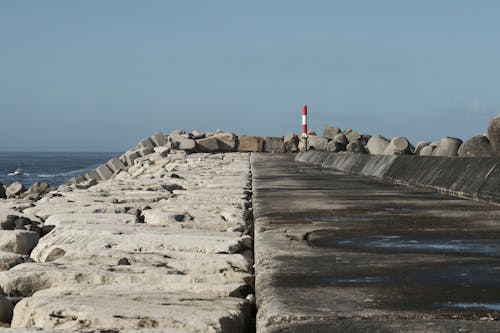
x=343 y=253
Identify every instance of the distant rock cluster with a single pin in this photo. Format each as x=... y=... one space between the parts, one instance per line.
x=336 y=140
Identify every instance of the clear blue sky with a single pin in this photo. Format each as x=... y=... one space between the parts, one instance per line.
x=100 y=75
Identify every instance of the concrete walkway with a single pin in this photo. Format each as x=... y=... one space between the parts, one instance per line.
x=337 y=253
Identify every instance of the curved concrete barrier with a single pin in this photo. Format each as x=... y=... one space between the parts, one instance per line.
x=474 y=178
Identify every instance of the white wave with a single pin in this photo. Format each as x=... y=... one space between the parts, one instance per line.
x=19 y=175
x=63 y=174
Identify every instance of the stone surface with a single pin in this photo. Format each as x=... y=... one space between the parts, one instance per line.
x=335 y=146
x=131 y=156
x=316 y=143
x=159 y=139
x=377 y=144
x=210 y=145
x=39 y=187
x=291 y=143
x=146 y=143
x=18 y=241
x=15 y=189
x=329 y=132
x=6 y=310
x=477 y=146
x=274 y=145
x=351 y=135
x=398 y=146
x=250 y=143
x=447 y=147
x=494 y=135
x=227 y=141
x=115 y=164
x=420 y=145
x=341 y=138
x=427 y=150
x=356 y=147
x=86 y=184
x=104 y=172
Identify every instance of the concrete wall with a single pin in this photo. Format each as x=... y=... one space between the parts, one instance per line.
x=474 y=178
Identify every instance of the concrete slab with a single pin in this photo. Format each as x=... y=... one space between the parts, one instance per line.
x=347 y=253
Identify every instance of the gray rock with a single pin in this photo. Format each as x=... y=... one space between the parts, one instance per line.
x=86 y=184
x=145 y=151
x=6 y=310
x=146 y=143
x=494 y=135
x=15 y=189
x=131 y=156
x=364 y=138
x=398 y=146
x=335 y=146
x=376 y=145
x=315 y=142
x=178 y=135
x=274 y=145
x=329 y=132
x=9 y=223
x=92 y=175
x=477 y=146
x=104 y=172
x=208 y=145
x=351 y=134
x=159 y=139
x=420 y=145
x=227 y=141
x=21 y=223
x=447 y=147
x=197 y=135
x=292 y=137
x=341 y=138
x=356 y=147
x=250 y=143
x=115 y=164
x=3 y=195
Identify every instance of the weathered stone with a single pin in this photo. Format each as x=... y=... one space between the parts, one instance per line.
x=146 y=143
x=159 y=139
x=3 y=195
x=377 y=144
x=364 y=138
x=335 y=146
x=227 y=141
x=351 y=134
x=92 y=174
x=6 y=310
x=86 y=184
x=329 y=132
x=477 y=146
x=341 y=138
x=315 y=142
x=18 y=241
x=427 y=150
x=115 y=164
x=494 y=135
x=292 y=137
x=197 y=135
x=291 y=147
x=131 y=156
x=447 y=147
x=208 y=145
x=356 y=147
x=104 y=172
x=274 y=145
x=39 y=187
x=178 y=135
x=145 y=151
x=250 y=143
x=420 y=145
x=398 y=146
x=15 y=189
x=9 y=223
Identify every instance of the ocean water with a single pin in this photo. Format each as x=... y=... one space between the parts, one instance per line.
x=53 y=168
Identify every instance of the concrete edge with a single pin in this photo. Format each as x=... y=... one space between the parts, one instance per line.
x=475 y=178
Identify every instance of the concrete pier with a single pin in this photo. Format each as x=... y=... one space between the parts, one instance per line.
x=348 y=253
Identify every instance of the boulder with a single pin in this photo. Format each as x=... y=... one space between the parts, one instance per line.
x=494 y=135
x=207 y=145
x=356 y=147
x=115 y=164
x=178 y=135
x=131 y=156
x=18 y=241
x=9 y=223
x=145 y=151
x=39 y=187
x=3 y=195
x=159 y=139
x=315 y=142
x=186 y=144
x=376 y=145
x=182 y=140
x=86 y=184
x=351 y=134
x=197 y=135
x=477 y=146
x=335 y=146
x=92 y=174
x=398 y=146
x=274 y=145
x=427 y=150
x=329 y=132
x=447 y=147
x=341 y=138
x=250 y=143
x=146 y=143
x=227 y=141
x=420 y=145
x=291 y=143
x=14 y=189
x=364 y=138
x=104 y=172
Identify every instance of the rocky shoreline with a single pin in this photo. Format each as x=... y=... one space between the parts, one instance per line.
x=164 y=246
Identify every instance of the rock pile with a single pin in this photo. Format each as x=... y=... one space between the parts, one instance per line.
x=350 y=141
x=163 y=246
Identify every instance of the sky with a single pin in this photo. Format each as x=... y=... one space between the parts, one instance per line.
x=99 y=75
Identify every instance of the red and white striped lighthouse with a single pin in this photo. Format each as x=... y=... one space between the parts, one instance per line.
x=304 y=121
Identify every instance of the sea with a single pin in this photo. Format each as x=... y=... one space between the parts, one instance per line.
x=53 y=168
